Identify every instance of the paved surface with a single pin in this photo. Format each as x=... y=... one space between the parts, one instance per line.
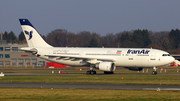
x=26 y=74
x=87 y=86
x=35 y=74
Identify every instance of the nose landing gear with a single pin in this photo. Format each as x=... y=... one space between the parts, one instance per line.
x=154 y=71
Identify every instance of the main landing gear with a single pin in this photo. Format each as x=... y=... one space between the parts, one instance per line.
x=92 y=72
x=154 y=71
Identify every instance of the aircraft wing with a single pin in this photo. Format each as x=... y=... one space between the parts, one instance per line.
x=28 y=49
x=76 y=58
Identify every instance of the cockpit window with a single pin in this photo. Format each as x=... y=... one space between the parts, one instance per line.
x=166 y=55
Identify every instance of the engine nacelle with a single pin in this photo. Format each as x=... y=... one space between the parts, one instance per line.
x=106 y=66
x=134 y=68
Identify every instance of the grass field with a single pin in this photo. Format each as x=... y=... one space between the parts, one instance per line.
x=86 y=95
x=167 y=70
x=129 y=77
x=117 y=79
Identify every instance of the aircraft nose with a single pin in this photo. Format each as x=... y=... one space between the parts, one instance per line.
x=171 y=59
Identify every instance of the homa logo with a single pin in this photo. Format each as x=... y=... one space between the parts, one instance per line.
x=29 y=33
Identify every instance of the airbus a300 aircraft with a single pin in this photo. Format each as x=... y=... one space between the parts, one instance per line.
x=105 y=59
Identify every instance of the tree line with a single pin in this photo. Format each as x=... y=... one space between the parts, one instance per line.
x=164 y=40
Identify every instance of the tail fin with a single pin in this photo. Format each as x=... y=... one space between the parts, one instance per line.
x=32 y=36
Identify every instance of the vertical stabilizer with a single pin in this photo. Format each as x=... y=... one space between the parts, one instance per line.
x=32 y=36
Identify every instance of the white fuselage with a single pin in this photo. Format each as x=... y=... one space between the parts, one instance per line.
x=125 y=57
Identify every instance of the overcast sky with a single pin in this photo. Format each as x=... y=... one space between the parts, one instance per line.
x=100 y=16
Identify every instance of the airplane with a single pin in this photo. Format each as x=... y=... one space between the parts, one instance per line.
x=104 y=59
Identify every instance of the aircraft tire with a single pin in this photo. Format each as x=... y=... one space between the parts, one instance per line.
x=154 y=72
x=88 y=72
x=93 y=72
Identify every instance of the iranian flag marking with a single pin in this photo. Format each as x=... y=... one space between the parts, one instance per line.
x=118 y=52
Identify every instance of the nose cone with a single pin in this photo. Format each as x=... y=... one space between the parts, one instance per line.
x=171 y=59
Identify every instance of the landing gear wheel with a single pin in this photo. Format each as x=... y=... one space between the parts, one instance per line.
x=91 y=72
x=154 y=72
x=88 y=72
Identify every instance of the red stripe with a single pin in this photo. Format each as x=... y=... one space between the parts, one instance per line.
x=118 y=52
x=24 y=55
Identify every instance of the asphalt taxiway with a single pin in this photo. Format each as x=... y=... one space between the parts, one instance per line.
x=36 y=74
x=87 y=86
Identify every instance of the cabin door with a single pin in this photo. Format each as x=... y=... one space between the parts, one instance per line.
x=153 y=56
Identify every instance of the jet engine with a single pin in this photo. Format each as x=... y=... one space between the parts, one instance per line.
x=106 y=66
x=134 y=68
